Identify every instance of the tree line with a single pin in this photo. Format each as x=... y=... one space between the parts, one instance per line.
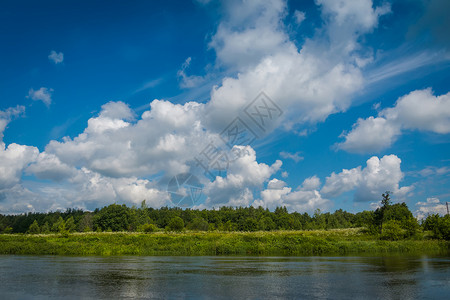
x=390 y=221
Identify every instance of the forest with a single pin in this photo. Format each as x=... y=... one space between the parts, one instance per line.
x=389 y=222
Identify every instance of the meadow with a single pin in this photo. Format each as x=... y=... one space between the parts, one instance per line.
x=351 y=241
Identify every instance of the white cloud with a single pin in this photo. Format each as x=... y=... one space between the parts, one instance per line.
x=418 y=110
x=43 y=94
x=55 y=57
x=243 y=174
x=305 y=199
x=7 y=115
x=299 y=17
x=370 y=135
x=163 y=139
x=107 y=161
x=13 y=160
x=294 y=156
x=309 y=83
x=431 y=206
x=369 y=183
x=48 y=166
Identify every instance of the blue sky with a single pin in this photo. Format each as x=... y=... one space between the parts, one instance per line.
x=105 y=102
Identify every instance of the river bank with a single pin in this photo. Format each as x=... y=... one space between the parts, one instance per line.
x=289 y=243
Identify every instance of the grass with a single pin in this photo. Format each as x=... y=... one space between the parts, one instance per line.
x=316 y=242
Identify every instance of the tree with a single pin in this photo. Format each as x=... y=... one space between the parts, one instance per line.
x=59 y=226
x=45 y=228
x=198 y=224
x=386 y=201
x=34 y=228
x=267 y=224
x=392 y=230
x=113 y=217
x=86 y=222
x=175 y=224
x=70 y=224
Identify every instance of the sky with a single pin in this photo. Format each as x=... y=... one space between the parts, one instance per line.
x=311 y=105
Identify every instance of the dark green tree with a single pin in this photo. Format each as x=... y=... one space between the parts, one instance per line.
x=175 y=224
x=34 y=228
x=114 y=217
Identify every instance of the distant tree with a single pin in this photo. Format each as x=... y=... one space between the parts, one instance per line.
x=34 y=228
x=199 y=224
x=113 y=217
x=250 y=224
x=45 y=228
x=386 y=201
x=266 y=224
x=86 y=222
x=70 y=224
x=59 y=225
x=175 y=224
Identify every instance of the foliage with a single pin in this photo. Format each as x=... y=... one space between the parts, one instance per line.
x=34 y=228
x=148 y=228
x=175 y=224
x=392 y=230
x=311 y=242
x=439 y=226
x=115 y=217
x=198 y=224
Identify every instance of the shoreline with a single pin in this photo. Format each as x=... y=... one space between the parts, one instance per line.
x=275 y=243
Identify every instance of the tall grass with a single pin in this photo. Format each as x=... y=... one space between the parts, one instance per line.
x=318 y=242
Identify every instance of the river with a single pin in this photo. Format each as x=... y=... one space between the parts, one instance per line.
x=163 y=277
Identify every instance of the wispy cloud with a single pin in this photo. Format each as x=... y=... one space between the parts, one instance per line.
x=398 y=66
x=55 y=57
x=43 y=94
x=294 y=156
x=149 y=84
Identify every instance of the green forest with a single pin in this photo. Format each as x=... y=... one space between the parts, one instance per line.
x=389 y=222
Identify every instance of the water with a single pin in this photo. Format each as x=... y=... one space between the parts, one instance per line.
x=47 y=277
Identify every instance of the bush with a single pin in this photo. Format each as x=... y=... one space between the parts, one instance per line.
x=199 y=224
x=439 y=226
x=175 y=224
x=148 y=228
x=393 y=231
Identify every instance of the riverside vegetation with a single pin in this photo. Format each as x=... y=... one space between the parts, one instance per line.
x=120 y=230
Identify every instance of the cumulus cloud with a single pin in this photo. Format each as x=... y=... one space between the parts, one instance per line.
x=369 y=183
x=55 y=57
x=7 y=115
x=243 y=175
x=43 y=94
x=309 y=83
x=163 y=139
x=14 y=157
x=306 y=198
x=107 y=161
x=431 y=206
x=418 y=110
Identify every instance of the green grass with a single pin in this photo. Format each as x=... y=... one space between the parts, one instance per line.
x=316 y=242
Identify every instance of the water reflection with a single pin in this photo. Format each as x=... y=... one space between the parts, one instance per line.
x=224 y=277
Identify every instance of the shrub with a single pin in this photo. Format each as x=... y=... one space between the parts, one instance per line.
x=392 y=230
x=175 y=224
x=148 y=228
x=199 y=224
